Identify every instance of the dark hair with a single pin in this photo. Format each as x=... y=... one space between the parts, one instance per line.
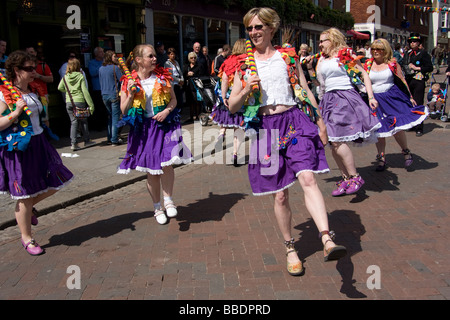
x=108 y=58
x=171 y=50
x=16 y=59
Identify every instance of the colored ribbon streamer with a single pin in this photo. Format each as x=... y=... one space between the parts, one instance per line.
x=14 y=93
x=127 y=72
x=251 y=59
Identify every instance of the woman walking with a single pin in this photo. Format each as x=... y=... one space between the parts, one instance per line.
x=30 y=168
x=397 y=110
x=77 y=96
x=155 y=141
x=299 y=153
x=347 y=117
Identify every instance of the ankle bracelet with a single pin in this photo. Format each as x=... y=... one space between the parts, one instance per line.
x=289 y=243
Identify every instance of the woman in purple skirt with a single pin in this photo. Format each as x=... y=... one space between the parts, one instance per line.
x=221 y=115
x=397 y=110
x=288 y=146
x=347 y=117
x=30 y=167
x=154 y=143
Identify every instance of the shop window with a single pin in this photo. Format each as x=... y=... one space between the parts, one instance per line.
x=217 y=31
x=166 y=30
x=193 y=31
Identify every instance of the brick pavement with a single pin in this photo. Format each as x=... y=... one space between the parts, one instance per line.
x=225 y=244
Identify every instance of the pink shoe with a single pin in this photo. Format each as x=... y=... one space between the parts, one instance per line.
x=355 y=183
x=34 y=251
x=341 y=188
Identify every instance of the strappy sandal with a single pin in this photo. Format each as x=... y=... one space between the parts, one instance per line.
x=160 y=216
x=409 y=160
x=381 y=158
x=333 y=253
x=294 y=269
x=171 y=209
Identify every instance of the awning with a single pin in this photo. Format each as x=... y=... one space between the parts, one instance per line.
x=358 y=35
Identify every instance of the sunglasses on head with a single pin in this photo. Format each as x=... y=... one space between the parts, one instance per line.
x=258 y=27
x=28 y=68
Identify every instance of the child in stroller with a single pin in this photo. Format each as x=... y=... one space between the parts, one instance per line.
x=436 y=100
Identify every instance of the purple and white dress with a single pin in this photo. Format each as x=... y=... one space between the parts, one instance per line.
x=38 y=169
x=287 y=143
x=395 y=111
x=346 y=115
x=151 y=148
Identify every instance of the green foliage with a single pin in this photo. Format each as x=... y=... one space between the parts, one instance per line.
x=291 y=11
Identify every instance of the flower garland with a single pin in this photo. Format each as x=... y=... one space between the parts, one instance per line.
x=160 y=96
x=18 y=135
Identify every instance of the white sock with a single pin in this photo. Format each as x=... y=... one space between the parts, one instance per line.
x=167 y=199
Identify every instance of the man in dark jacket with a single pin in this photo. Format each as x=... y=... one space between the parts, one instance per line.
x=416 y=65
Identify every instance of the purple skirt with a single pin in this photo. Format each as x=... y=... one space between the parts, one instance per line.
x=396 y=112
x=36 y=170
x=152 y=148
x=348 y=117
x=286 y=145
x=224 y=118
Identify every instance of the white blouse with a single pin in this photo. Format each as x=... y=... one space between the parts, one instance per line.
x=335 y=76
x=275 y=86
x=148 y=85
x=382 y=80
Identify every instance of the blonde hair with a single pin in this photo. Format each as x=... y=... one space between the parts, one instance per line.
x=138 y=51
x=267 y=16
x=436 y=86
x=337 y=39
x=239 y=47
x=73 y=65
x=192 y=54
x=383 y=44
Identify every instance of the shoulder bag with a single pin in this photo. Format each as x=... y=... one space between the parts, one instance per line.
x=78 y=112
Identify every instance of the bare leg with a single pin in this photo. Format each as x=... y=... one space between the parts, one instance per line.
x=315 y=204
x=343 y=156
x=153 y=187
x=167 y=181
x=23 y=214
x=283 y=215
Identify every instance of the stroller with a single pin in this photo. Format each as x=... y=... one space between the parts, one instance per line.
x=444 y=87
x=204 y=87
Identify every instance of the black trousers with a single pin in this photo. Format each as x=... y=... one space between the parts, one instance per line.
x=417 y=88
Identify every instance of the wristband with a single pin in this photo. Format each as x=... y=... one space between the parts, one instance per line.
x=10 y=118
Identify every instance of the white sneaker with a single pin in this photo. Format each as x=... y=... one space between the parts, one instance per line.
x=171 y=209
x=75 y=147
x=160 y=216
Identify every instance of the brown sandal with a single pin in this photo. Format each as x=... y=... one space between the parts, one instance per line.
x=294 y=269
x=333 y=253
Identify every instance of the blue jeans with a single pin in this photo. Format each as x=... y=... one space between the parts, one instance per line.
x=112 y=104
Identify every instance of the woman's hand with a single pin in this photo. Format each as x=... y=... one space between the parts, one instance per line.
x=20 y=104
x=130 y=84
x=414 y=103
x=161 y=116
x=373 y=104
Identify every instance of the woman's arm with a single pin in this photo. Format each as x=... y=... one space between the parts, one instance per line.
x=319 y=120
x=6 y=121
x=225 y=89
x=240 y=94
x=368 y=84
x=161 y=116
x=127 y=97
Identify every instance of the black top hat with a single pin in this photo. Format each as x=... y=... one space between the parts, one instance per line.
x=414 y=36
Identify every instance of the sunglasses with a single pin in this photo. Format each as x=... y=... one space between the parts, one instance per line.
x=28 y=68
x=151 y=56
x=258 y=27
x=193 y=58
x=322 y=41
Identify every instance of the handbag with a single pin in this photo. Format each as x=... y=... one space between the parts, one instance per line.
x=78 y=112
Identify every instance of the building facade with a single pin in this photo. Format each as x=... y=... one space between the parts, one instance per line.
x=394 y=20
